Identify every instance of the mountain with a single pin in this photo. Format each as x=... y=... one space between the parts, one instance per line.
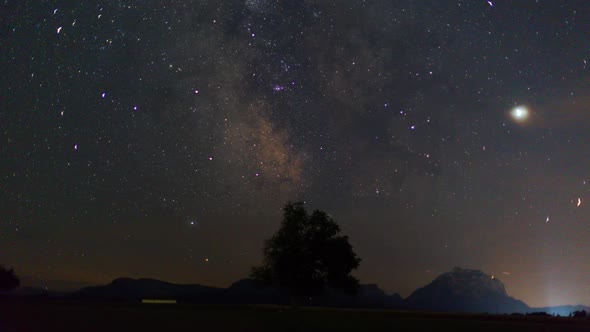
x=249 y=291
x=465 y=290
x=372 y=296
x=245 y=291
x=460 y=290
x=368 y=296
x=135 y=289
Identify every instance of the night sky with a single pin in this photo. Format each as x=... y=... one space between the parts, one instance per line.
x=162 y=138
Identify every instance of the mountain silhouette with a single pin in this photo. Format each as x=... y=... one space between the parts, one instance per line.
x=245 y=291
x=136 y=289
x=460 y=290
x=465 y=290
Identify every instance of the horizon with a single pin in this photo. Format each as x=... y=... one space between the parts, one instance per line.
x=70 y=286
x=148 y=140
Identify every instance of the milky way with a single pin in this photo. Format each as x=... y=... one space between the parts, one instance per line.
x=161 y=140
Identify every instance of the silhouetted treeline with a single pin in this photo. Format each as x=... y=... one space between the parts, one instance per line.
x=8 y=280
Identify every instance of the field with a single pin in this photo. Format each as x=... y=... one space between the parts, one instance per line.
x=22 y=316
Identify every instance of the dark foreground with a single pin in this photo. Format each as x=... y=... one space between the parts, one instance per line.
x=19 y=315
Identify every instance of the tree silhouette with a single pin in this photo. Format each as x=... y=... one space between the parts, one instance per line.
x=579 y=314
x=307 y=254
x=8 y=280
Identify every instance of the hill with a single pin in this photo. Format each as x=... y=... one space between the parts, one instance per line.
x=241 y=292
x=465 y=290
x=136 y=289
x=460 y=290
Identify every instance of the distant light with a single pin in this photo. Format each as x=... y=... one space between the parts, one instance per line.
x=104 y=94
x=520 y=113
x=157 y=301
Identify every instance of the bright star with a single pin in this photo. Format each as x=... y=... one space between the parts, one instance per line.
x=520 y=113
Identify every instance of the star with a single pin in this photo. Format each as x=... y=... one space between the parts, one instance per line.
x=519 y=113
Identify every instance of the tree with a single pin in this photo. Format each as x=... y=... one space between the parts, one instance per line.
x=307 y=254
x=8 y=280
x=579 y=314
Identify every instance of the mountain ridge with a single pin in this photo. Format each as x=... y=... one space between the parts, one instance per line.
x=465 y=290
x=459 y=290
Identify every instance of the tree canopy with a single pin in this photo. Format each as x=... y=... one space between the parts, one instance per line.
x=8 y=280
x=307 y=254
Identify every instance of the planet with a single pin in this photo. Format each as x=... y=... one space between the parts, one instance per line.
x=519 y=113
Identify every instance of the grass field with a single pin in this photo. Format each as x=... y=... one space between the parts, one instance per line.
x=32 y=316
